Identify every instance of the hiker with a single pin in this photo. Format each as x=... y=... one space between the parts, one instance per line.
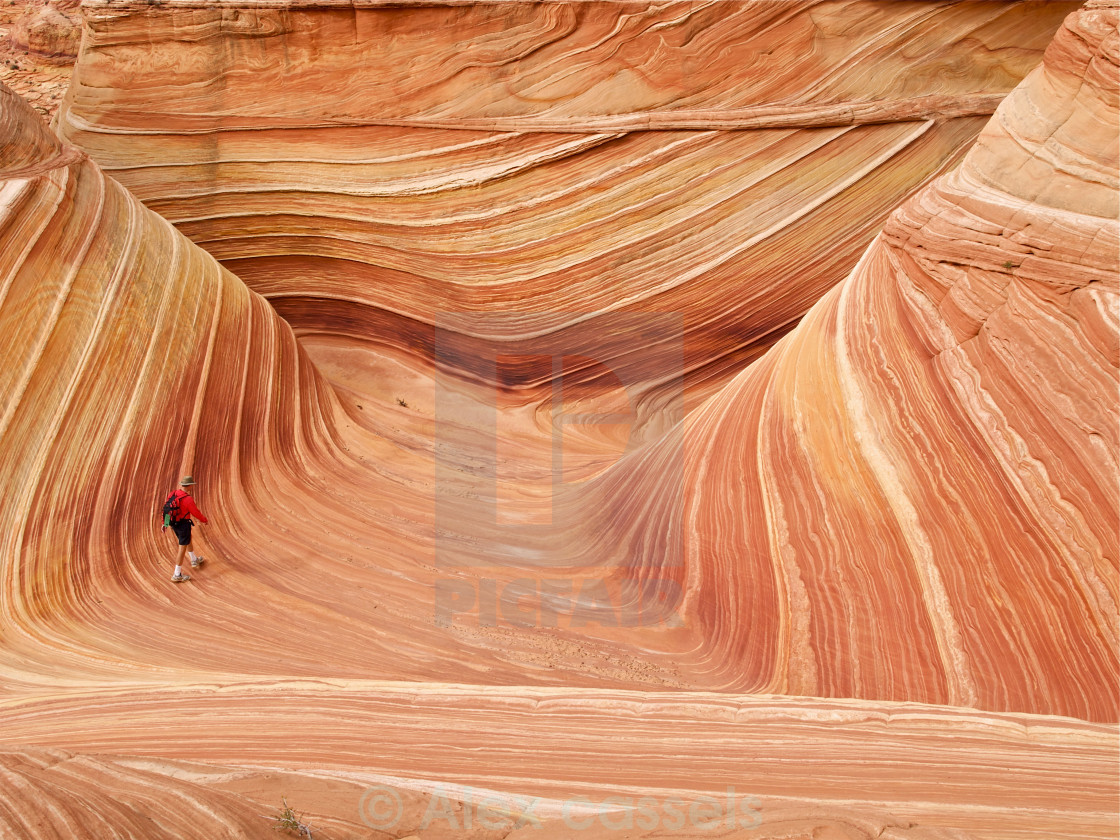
x=178 y=510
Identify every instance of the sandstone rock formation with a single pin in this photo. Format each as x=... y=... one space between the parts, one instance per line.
x=870 y=582
x=40 y=79
x=890 y=770
x=558 y=161
x=932 y=455
x=51 y=30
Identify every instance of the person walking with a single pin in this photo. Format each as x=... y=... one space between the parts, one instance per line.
x=183 y=507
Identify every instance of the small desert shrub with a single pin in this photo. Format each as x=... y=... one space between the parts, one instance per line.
x=288 y=820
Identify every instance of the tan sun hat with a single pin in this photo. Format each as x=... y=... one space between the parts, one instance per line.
x=187 y=480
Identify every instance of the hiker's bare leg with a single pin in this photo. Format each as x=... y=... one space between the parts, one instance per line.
x=196 y=559
x=183 y=549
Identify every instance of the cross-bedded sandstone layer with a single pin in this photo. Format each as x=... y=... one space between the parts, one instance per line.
x=935 y=445
x=795 y=767
x=892 y=538
x=723 y=162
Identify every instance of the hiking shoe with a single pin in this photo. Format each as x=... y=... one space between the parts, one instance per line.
x=180 y=578
x=196 y=563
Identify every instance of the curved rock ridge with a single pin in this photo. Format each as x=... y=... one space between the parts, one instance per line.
x=894 y=770
x=893 y=536
x=432 y=61
x=932 y=454
x=45 y=794
x=138 y=359
x=111 y=386
x=550 y=161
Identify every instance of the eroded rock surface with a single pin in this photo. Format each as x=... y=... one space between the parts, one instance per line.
x=51 y=31
x=931 y=455
x=870 y=580
x=552 y=162
x=38 y=77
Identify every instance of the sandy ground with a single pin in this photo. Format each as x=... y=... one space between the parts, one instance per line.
x=37 y=80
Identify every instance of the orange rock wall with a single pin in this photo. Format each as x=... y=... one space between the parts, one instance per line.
x=893 y=536
x=548 y=159
x=931 y=455
x=113 y=383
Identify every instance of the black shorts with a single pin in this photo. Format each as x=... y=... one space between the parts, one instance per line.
x=182 y=530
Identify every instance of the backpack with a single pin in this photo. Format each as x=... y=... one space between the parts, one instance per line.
x=171 y=509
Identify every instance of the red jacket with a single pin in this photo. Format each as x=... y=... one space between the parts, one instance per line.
x=187 y=507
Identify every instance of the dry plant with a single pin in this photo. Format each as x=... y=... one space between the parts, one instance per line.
x=287 y=820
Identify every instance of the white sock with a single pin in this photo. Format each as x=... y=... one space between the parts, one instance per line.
x=178 y=570
x=193 y=558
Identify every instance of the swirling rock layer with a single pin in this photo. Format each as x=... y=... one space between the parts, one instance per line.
x=871 y=581
x=551 y=161
x=935 y=446
x=894 y=770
